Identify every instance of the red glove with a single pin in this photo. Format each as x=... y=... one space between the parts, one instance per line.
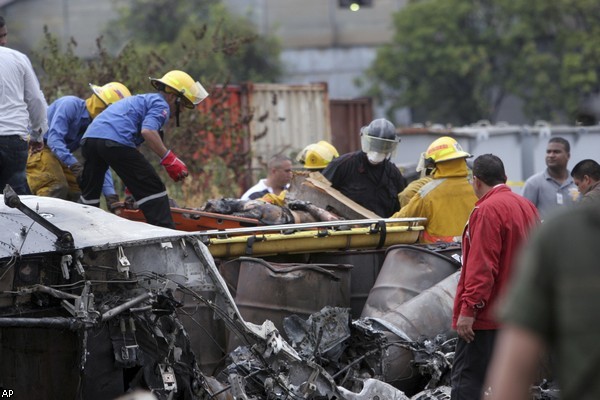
x=174 y=166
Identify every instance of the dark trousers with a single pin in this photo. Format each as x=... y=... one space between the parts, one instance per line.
x=13 y=160
x=137 y=174
x=470 y=365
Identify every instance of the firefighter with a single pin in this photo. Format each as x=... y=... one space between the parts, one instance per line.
x=54 y=171
x=448 y=199
x=317 y=156
x=367 y=176
x=113 y=137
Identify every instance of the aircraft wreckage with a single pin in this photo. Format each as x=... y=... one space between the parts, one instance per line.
x=93 y=306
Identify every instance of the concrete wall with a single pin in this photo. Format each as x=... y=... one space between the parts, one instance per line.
x=82 y=19
x=320 y=23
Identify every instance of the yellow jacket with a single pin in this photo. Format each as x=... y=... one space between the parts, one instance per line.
x=412 y=189
x=446 y=202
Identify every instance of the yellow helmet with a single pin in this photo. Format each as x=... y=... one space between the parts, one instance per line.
x=444 y=149
x=183 y=85
x=317 y=155
x=111 y=92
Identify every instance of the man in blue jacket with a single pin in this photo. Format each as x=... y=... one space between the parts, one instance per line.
x=54 y=170
x=113 y=138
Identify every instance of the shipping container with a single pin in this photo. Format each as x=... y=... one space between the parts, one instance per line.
x=286 y=118
x=347 y=117
x=264 y=119
x=229 y=139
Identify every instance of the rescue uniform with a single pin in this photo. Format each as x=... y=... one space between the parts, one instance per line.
x=373 y=186
x=499 y=224
x=555 y=296
x=48 y=172
x=112 y=139
x=446 y=202
x=412 y=189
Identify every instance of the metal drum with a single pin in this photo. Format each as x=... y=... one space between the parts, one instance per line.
x=406 y=272
x=273 y=291
x=424 y=316
x=366 y=266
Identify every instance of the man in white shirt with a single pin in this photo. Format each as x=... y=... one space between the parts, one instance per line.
x=278 y=179
x=22 y=106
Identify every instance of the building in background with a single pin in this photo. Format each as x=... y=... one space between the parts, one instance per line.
x=322 y=40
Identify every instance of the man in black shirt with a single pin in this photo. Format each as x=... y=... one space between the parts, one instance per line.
x=367 y=176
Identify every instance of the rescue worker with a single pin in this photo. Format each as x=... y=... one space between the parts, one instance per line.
x=113 y=137
x=367 y=176
x=54 y=171
x=317 y=156
x=448 y=199
x=414 y=186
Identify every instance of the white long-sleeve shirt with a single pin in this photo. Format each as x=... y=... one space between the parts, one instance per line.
x=22 y=103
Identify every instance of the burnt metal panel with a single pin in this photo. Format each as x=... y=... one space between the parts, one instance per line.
x=39 y=361
x=347 y=117
x=90 y=227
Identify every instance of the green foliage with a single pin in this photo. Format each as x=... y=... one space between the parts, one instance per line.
x=456 y=60
x=201 y=37
x=216 y=49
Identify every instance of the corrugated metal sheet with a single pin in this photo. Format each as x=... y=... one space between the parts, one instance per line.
x=347 y=117
x=287 y=118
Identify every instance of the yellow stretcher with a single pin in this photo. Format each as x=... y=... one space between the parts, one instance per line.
x=313 y=237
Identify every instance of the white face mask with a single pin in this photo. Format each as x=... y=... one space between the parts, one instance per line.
x=375 y=157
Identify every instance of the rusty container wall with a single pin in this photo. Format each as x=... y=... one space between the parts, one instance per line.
x=286 y=118
x=406 y=272
x=366 y=266
x=424 y=316
x=39 y=362
x=207 y=334
x=230 y=138
x=272 y=291
x=347 y=117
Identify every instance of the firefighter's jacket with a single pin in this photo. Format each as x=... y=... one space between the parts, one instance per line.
x=446 y=202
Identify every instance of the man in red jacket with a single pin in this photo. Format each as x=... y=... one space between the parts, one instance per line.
x=497 y=227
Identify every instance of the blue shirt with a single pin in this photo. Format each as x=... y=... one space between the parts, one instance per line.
x=124 y=120
x=68 y=118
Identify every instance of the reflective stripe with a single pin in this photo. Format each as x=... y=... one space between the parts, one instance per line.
x=429 y=186
x=89 y=202
x=151 y=197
